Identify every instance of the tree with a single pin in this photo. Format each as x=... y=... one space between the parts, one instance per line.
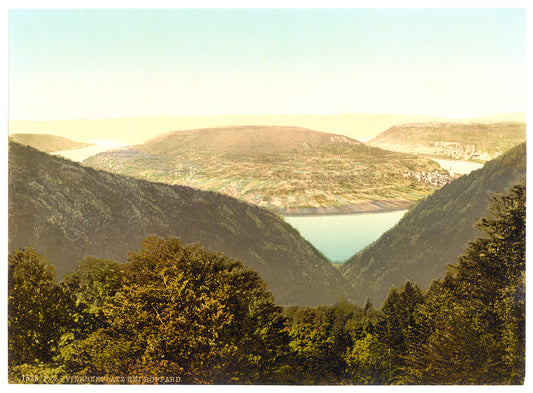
x=97 y=279
x=184 y=311
x=89 y=289
x=365 y=358
x=32 y=295
x=395 y=334
x=491 y=275
x=476 y=316
x=318 y=342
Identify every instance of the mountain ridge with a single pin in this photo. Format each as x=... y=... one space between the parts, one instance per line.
x=47 y=142
x=67 y=211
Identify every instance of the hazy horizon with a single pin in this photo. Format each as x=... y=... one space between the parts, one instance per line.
x=67 y=64
x=517 y=114
x=138 y=129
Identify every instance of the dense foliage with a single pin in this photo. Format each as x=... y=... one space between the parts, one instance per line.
x=434 y=233
x=31 y=303
x=67 y=211
x=171 y=311
x=175 y=313
x=476 y=314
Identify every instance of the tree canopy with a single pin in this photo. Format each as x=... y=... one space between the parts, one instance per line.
x=180 y=313
x=175 y=310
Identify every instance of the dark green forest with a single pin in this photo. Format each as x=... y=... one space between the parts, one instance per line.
x=175 y=313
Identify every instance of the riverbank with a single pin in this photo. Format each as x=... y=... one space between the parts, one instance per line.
x=359 y=208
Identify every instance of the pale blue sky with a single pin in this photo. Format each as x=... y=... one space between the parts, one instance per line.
x=67 y=64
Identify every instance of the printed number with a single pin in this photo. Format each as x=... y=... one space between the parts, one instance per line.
x=32 y=378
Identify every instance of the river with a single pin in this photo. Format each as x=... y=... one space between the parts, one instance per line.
x=98 y=146
x=340 y=236
x=458 y=167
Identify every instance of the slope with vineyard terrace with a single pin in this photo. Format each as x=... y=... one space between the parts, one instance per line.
x=291 y=170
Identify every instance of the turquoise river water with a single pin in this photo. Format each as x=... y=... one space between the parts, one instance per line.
x=340 y=236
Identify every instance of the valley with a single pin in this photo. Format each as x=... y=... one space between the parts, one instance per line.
x=278 y=197
x=296 y=172
x=320 y=255
x=70 y=211
x=435 y=232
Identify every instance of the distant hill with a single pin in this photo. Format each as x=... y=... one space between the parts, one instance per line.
x=288 y=169
x=244 y=140
x=47 y=142
x=68 y=211
x=435 y=232
x=135 y=130
x=466 y=141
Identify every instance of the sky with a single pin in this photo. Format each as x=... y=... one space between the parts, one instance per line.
x=112 y=63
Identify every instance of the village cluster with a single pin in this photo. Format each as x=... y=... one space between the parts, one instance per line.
x=437 y=179
x=459 y=151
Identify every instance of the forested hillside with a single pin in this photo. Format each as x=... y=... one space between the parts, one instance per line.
x=291 y=170
x=69 y=211
x=434 y=233
x=181 y=314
